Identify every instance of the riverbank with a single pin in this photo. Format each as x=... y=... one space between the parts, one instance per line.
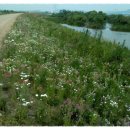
x=119 y=22
x=105 y=34
x=92 y=19
x=119 y=27
x=57 y=76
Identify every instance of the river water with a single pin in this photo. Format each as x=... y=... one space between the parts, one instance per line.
x=107 y=34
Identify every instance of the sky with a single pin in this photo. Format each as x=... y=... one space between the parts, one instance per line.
x=57 y=7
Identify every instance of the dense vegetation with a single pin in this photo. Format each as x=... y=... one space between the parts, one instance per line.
x=119 y=22
x=52 y=75
x=6 y=12
x=93 y=19
x=96 y=19
x=90 y=19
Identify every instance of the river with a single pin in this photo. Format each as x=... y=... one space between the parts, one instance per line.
x=107 y=34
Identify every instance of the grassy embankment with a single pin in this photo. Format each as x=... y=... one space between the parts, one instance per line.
x=51 y=75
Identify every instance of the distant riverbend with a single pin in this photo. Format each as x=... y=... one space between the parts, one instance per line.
x=107 y=34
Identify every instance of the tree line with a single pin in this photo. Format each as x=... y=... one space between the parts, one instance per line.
x=92 y=19
x=6 y=11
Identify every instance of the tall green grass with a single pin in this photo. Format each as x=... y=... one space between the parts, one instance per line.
x=56 y=76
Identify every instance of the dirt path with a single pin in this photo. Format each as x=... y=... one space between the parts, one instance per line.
x=6 y=21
